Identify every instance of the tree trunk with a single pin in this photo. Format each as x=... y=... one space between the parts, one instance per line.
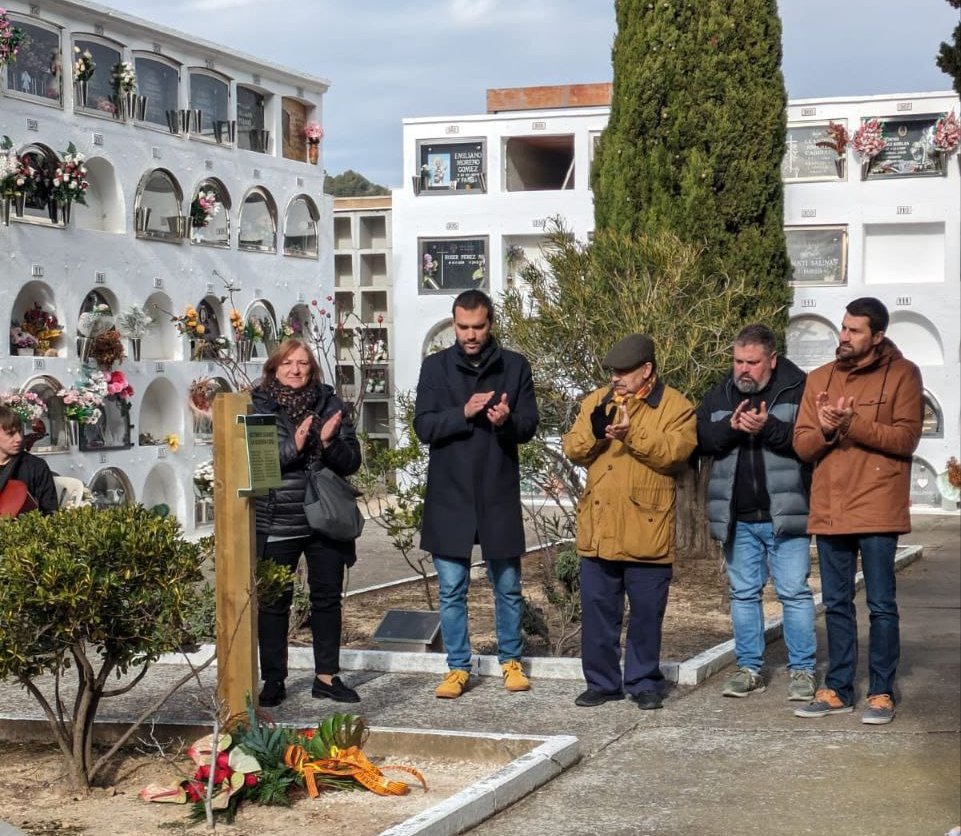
x=693 y=539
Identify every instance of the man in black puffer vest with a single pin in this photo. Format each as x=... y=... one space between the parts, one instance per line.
x=757 y=506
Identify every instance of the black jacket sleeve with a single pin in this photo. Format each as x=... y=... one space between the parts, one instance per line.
x=714 y=438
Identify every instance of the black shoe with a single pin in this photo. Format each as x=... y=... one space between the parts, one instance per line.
x=272 y=695
x=336 y=691
x=647 y=700
x=590 y=698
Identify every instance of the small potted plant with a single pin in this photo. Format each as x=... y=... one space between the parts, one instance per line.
x=133 y=323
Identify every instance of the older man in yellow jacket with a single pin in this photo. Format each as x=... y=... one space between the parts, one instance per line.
x=632 y=436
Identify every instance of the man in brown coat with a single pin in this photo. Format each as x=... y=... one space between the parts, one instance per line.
x=859 y=423
x=631 y=436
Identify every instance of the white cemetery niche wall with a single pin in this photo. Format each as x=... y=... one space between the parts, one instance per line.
x=162 y=487
x=161 y=413
x=105 y=210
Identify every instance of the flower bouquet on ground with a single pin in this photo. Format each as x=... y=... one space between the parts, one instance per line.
x=268 y=764
x=28 y=405
x=83 y=402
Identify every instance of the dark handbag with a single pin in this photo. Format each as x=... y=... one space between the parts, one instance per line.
x=330 y=503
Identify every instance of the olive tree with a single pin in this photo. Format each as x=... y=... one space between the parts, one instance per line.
x=91 y=597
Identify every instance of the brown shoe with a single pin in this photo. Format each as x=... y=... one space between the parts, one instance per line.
x=514 y=677
x=453 y=686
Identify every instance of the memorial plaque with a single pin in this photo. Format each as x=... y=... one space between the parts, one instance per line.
x=263 y=454
x=250 y=116
x=100 y=87
x=803 y=159
x=410 y=630
x=810 y=342
x=908 y=149
x=209 y=95
x=818 y=254
x=159 y=82
x=293 y=120
x=452 y=167
x=453 y=264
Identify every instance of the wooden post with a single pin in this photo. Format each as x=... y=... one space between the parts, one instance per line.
x=234 y=534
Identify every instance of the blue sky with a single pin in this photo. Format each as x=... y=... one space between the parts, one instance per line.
x=391 y=59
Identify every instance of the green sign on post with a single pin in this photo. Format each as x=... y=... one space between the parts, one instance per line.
x=263 y=454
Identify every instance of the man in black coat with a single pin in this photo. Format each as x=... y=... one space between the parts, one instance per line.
x=475 y=405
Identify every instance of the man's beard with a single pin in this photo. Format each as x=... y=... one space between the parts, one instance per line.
x=747 y=385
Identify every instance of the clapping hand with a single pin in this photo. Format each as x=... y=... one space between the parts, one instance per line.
x=749 y=420
x=834 y=418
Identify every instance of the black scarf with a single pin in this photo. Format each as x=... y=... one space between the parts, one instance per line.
x=295 y=402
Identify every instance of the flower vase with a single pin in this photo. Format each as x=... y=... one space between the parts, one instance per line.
x=313 y=152
x=19 y=203
x=73 y=432
x=65 y=212
x=839 y=167
x=245 y=349
x=84 y=345
x=135 y=348
x=25 y=352
x=80 y=94
x=129 y=102
x=865 y=168
x=52 y=211
x=5 y=205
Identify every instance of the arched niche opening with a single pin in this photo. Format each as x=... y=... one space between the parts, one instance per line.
x=210 y=214
x=210 y=314
x=258 y=221
x=932 y=424
x=162 y=339
x=157 y=207
x=35 y=311
x=916 y=337
x=200 y=402
x=96 y=315
x=110 y=487
x=47 y=431
x=161 y=488
x=297 y=323
x=300 y=228
x=161 y=414
x=439 y=337
x=43 y=160
x=105 y=210
x=811 y=341
x=260 y=324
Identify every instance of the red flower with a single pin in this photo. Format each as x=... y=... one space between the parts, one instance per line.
x=195 y=790
x=380 y=318
x=250 y=779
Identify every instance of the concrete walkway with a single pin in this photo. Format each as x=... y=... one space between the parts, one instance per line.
x=702 y=765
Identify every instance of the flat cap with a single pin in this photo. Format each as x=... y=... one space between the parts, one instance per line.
x=630 y=352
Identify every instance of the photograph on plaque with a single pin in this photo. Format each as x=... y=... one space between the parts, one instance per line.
x=451 y=167
x=804 y=160
x=818 y=254
x=452 y=264
x=909 y=149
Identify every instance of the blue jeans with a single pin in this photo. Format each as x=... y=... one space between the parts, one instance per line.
x=837 y=555
x=752 y=554
x=453 y=579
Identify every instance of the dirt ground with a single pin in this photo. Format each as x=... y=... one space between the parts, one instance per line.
x=36 y=800
x=697 y=616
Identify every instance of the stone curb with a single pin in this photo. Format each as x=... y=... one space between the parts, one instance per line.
x=490 y=795
x=691 y=671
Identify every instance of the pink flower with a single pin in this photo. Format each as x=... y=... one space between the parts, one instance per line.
x=947 y=133
x=313 y=132
x=868 y=140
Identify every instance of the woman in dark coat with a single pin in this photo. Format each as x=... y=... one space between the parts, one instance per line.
x=312 y=433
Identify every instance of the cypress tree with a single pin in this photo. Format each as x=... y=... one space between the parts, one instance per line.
x=949 y=55
x=696 y=135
